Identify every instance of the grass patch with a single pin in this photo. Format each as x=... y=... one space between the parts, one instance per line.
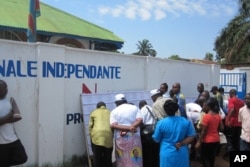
x=74 y=161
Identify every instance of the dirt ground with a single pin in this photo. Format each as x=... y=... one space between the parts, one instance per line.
x=219 y=162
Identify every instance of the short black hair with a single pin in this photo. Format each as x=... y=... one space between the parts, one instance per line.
x=142 y=103
x=170 y=107
x=100 y=104
x=233 y=91
x=121 y=102
x=201 y=84
x=171 y=93
x=165 y=84
x=221 y=89
x=213 y=104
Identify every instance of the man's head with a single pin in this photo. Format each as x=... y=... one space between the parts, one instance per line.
x=164 y=88
x=232 y=93
x=214 y=90
x=200 y=87
x=120 y=99
x=202 y=100
x=171 y=93
x=100 y=104
x=142 y=103
x=155 y=93
x=176 y=87
x=170 y=107
x=221 y=90
x=205 y=94
x=247 y=100
x=3 y=89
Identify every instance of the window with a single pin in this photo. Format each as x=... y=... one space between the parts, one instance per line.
x=11 y=35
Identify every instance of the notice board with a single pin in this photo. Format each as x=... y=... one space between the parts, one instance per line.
x=89 y=101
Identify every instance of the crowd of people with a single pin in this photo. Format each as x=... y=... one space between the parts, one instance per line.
x=182 y=131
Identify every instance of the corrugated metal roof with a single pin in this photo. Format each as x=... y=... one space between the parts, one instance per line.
x=14 y=14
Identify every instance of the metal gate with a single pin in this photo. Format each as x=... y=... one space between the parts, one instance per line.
x=234 y=81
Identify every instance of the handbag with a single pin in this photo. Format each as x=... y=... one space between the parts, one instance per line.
x=147 y=130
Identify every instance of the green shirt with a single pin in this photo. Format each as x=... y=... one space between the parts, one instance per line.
x=219 y=97
x=99 y=127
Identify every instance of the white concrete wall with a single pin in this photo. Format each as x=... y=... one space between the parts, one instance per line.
x=51 y=129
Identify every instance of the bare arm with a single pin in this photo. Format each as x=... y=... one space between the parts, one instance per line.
x=16 y=112
x=221 y=126
x=9 y=118
x=186 y=141
x=120 y=127
x=13 y=116
x=6 y=119
x=202 y=134
x=230 y=113
x=131 y=128
x=137 y=123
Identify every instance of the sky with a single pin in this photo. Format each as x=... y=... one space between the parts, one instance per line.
x=187 y=28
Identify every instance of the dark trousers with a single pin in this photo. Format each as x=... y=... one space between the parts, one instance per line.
x=194 y=153
x=208 y=153
x=102 y=156
x=244 y=146
x=150 y=153
x=233 y=138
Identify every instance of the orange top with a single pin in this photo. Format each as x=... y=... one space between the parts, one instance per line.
x=212 y=122
x=236 y=104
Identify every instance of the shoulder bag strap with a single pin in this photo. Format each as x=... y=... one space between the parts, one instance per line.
x=152 y=115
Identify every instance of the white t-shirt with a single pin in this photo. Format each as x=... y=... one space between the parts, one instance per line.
x=125 y=114
x=244 y=118
x=146 y=116
x=7 y=131
x=166 y=95
x=193 y=111
x=222 y=114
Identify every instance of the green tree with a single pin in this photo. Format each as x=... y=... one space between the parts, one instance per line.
x=175 y=57
x=145 y=48
x=209 y=56
x=233 y=44
x=244 y=7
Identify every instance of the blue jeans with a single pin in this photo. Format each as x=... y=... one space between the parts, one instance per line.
x=244 y=146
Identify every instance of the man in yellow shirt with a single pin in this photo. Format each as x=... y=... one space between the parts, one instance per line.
x=101 y=136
